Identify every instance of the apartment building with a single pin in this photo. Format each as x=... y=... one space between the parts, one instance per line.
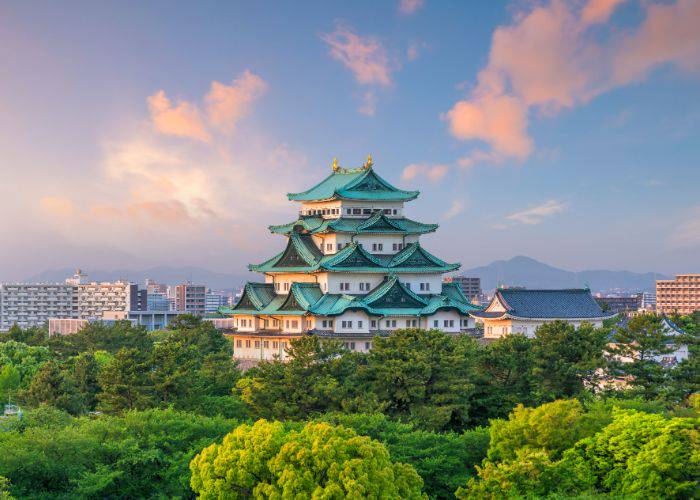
x=96 y=298
x=681 y=295
x=190 y=299
x=32 y=304
x=215 y=300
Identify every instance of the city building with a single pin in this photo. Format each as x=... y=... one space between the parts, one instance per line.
x=352 y=268
x=681 y=295
x=649 y=301
x=213 y=301
x=153 y=287
x=618 y=304
x=96 y=298
x=471 y=286
x=190 y=299
x=32 y=304
x=69 y=326
x=157 y=301
x=518 y=310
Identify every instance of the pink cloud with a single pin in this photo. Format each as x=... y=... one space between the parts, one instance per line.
x=535 y=215
x=182 y=120
x=549 y=58
x=408 y=7
x=432 y=172
x=365 y=56
x=226 y=104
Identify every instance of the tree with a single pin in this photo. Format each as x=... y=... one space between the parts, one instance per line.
x=313 y=381
x=444 y=460
x=422 y=376
x=25 y=358
x=53 y=386
x=320 y=461
x=9 y=382
x=174 y=371
x=125 y=382
x=567 y=359
x=635 y=350
x=505 y=378
x=193 y=330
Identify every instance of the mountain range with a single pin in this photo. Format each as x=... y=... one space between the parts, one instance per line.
x=530 y=273
x=518 y=271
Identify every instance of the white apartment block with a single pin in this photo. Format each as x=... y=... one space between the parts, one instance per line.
x=94 y=299
x=32 y=304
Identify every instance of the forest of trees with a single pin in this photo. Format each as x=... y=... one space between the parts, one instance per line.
x=118 y=412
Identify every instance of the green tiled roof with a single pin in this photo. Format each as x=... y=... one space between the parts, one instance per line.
x=302 y=255
x=376 y=224
x=357 y=184
x=390 y=298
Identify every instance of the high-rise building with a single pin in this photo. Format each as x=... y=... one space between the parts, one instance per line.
x=471 y=286
x=96 y=298
x=158 y=302
x=32 y=304
x=153 y=287
x=352 y=268
x=214 y=300
x=190 y=299
x=681 y=295
x=649 y=301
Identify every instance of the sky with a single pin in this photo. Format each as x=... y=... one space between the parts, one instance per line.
x=135 y=134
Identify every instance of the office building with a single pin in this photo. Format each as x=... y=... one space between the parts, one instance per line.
x=190 y=299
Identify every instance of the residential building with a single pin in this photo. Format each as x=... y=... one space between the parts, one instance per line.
x=32 y=304
x=190 y=299
x=681 y=295
x=96 y=298
x=153 y=287
x=69 y=326
x=518 y=310
x=141 y=300
x=618 y=304
x=471 y=286
x=352 y=268
x=649 y=301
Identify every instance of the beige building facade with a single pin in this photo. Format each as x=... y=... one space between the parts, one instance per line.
x=680 y=295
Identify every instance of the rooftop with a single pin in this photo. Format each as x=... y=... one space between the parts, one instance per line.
x=545 y=304
x=354 y=184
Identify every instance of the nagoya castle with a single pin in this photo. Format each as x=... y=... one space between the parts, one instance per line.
x=353 y=268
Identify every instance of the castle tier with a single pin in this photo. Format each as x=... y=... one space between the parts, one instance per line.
x=353 y=268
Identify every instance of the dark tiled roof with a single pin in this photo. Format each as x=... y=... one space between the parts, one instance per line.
x=569 y=303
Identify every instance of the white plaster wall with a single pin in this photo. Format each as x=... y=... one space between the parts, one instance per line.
x=441 y=317
x=355 y=317
x=256 y=347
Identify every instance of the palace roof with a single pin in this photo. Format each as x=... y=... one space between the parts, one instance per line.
x=390 y=298
x=302 y=255
x=354 y=184
x=542 y=304
x=377 y=223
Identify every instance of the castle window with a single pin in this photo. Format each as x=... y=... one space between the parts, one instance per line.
x=367 y=211
x=257 y=344
x=348 y=211
x=275 y=345
x=352 y=346
x=266 y=344
x=368 y=345
x=359 y=324
x=387 y=211
x=436 y=323
x=295 y=324
x=357 y=211
x=373 y=323
x=247 y=343
x=239 y=343
x=344 y=287
x=395 y=211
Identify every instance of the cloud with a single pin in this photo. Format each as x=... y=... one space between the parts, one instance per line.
x=551 y=58
x=57 y=205
x=182 y=120
x=432 y=172
x=225 y=106
x=369 y=103
x=365 y=56
x=408 y=7
x=456 y=208
x=535 y=215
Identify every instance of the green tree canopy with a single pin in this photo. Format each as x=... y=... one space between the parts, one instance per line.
x=267 y=460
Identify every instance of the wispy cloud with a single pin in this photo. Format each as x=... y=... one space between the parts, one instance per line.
x=550 y=58
x=456 y=208
x=408 y=7
x=687 y=233
x=432 y=172
x=536 y=214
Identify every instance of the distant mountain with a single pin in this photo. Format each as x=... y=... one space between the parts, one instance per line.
x=161 y=274
x=530 y=273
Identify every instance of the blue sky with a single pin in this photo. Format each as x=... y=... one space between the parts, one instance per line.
x=565 y=131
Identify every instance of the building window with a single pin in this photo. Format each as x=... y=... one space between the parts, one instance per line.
x=275 y=345
x=368 y=346
x=348 y=211
x=295 y=324
x=373 y=323
x=436 y=323
x=286 y=287
x=411 y=323
x=387 y=211
x=277 y=287
x=364 y=287
x=357 y=211
x=359 y=324
x=266 y=344
x=448 y=323
x=239 y=343
x=344 y=287
x=367 y=211
x=352 y=346
x=425 y=287
x=377 y=247
x=247 y=343
x=329 y=246
x=408 y=285
x=257 y=344
x=395 y=211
